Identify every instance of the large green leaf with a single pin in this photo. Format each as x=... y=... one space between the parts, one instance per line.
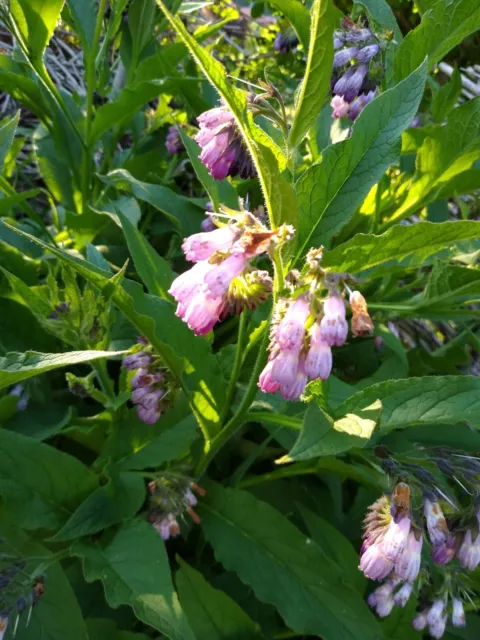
x=446 y=152
x=323 y=436
x=15 y=367
x=329 y=192
x=299 y=16
x=428 y=400
x=283 y=567
x=444 y=26
x=450 y=285
x=133 y=566
x=212 y=614
x=171 y=444
x=7 y=133
x=114 y=502
x=57 y=616
x=36 y=21
x=40 y=485
x=182 y=212
x=400 y=248
x=151 y=267
x=382 y=13
x=446 y=97
x=269 y=160
x=318 y=71
x=15 y=80
x=84 y=13
x=188 y=357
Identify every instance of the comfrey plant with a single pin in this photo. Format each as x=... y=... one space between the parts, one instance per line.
x=418 y=550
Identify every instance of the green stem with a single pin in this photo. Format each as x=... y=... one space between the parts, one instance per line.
x=237 y=365
x=274 y=418
x=239 y=418
x=90 y=81
x=100 y=368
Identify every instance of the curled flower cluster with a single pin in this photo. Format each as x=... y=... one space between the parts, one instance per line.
x=222 y=280
x=392 y=551
x=356 y=70
x=301 y=341
x=150 y=385
x=285 y=42
x=223 y=151
x=173 y=141
x=18 y=593
x=170 y=499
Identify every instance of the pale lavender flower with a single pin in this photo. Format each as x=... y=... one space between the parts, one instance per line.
x=469 y=552
x=266 y=382
x=437 y=629
x=420 y=621
x=359 y=104
x=318 y=363
x=201 y=313
x=173 y=141
x=149 y=416
x=408 y=563
x=285 y=367
x=442 y=541
x=190 y=498
x=435 y=613
x=218 y=278
x=340 y=107
x=396 y=537
x=367 y=53
x=357 y=35
x=291 y=329
x=403 y=594
x=333 y=326
x=136 y=361
x=458 y=613
x=201 y=246
x=374 y=564
x=294 y=390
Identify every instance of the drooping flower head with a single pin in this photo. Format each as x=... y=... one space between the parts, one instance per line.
x=223 y=151
x=170 y=497
x=173 y=141
x=469 y=551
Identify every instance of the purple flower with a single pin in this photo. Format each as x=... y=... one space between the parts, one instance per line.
x=291 y=330
x=223 y=151
x=382 y=598
x=294 y=390
x=358 y=35
x=396 y=537
x=367 y=53
x=218 y=278
x=469 y=552
x=138 y=360
x=437 y=619
x=403 y=594
x=201 y=313
x=340 y=107
x=318 y=363
x=443 y=542
x=408 y=563
x=344 y=56
x=350 y=83
x=149 y=416
x=201 y=246
x=338 y=42
x=285 y=42
x=360 y=103
x=173 y=141
x=420 y=621
x=285 y=367
x=458 y=614
x=444 y=553
x=333 y=326
x=374 y=564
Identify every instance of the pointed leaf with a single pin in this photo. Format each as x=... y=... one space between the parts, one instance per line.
x=283 y=567
x=446 y=97
x=36 y=21
x=212 y=614
x=84 y=13
x=133 y=566
x=316 y=82
x=382 y=13
x=7 y=133
x=330 y=192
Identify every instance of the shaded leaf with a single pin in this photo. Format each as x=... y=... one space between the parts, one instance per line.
x=446 y=97
x=382 y=14
x=212 y=614
x=7 y=134
x=133 y=566
x=84 y=13
x=284 y=569
x=36 y=21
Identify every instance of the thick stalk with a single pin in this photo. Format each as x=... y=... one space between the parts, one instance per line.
x=90 y=80
x=237 y=365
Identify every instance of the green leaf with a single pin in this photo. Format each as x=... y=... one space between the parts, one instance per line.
x=15 y=367
x=118 y=500
x=335 y=546
x=58 y=615
x=400 y=248
x=298 y=15
x=7 y=133
x=381 y=12
x=450 y=285
x=151 y=267
x=141 y=22
x=84 y=13
x=133 y=566
x=212 y=614
x=106 y=629
x=316 y=82
x=36 y=21
x=446 y=97
x=220 y=191
x=182 y=212
x=40 y=485
x=187 y=356
x=444 y=26
x=446 y=151
x=323 y=436
x=171 y=444
x=15 y=80
x=283 y=567
x=329 y=192
x=427 y=400
x=269 y=159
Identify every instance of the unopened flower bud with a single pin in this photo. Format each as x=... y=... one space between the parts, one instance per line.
x=367 y=53
x=134 y=361
x=359 y=104
x=403 y=594
x=358 y=35
x=291 y=330
x=318 y=363
x=408 y=563
x=458 y=614
x=340 y=107
x=420 y=621
x=173 y=141
x=344 y=56
x=333 y=326
x=350 y=83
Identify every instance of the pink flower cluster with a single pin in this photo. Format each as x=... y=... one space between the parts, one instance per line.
x=202 y=292
x=148 y=385
x=298 y=355
x=169 y=507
